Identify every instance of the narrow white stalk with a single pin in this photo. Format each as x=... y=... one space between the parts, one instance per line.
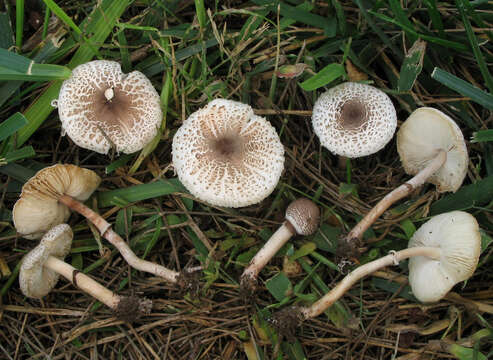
x=270 y=248
x=83 y=282
x=340 y=289
x=397 y=194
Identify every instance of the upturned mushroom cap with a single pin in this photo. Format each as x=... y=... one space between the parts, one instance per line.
x=426 y=131
x=99 y=106
x=304 y=215
x=457 y=236
x=38 y=209
x=354 y=120
x=227 y=156
x=35 y=280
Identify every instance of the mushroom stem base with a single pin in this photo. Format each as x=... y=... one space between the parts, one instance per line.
x=340 y=289
x=405 y=189
x=105 y=229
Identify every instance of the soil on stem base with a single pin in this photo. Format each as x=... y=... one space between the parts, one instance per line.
x=248 y=289
x=286 y=321
x=131 y=308
x=189 y=281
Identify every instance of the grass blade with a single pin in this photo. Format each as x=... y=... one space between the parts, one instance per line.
x=463 y=87
x=468 y=196
x=323 y=77
x=57 y=10
x=19 y=22
x=11 y=125
x=482 y=136
x=23 y=153
x=412 y=66
x=6 y=34
x=37 y=72
x=141 y=192
x=461 y=5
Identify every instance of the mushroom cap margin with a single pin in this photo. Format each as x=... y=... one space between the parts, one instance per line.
x=457 y=234
x=35 y=280
x=426 y=131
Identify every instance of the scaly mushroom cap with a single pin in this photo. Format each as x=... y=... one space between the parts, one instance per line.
x=227 y=156
x=426 y=131
x=99 y=106
x=38 y=209
x=304 y=215
x=354 y=120
x=35 y=280
x=457 y=235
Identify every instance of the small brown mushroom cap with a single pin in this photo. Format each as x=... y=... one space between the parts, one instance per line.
x=100 y=106
x=38 y=209
x=227 y=156
x=35 y=280
x=426 y=131
x=354 y=120
x=457 y=236
x=304 y=215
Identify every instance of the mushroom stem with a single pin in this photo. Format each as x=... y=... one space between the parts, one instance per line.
x=83 y=282
x=109 y=94
x=405 y=189
x=340 y=289
x=105 y=229
x=270 y=248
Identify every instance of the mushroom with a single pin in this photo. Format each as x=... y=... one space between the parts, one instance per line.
x=45 y=201
x=101 y=107
x=302 y=217
x=354 y=120
x=42 y=266
x=431 y=147
x=444 y=251
x=227 y=156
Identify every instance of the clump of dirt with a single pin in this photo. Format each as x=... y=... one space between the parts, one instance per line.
x=248 y=289
x=131 y=308
x=189 y=281
x=286 y=321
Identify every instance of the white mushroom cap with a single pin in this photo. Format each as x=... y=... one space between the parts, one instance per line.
x=227 y=156
x=426 y=131
x=99 y=106
x=35 y=280
x=353 y=119
x=304 y=215
x=457 y=236
x=38 y=209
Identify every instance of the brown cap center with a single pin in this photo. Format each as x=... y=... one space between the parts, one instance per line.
x=226 y=147
x=353 y=115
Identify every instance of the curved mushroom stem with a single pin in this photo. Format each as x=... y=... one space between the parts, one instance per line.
x=270 y=248
x=340 y=289
x=105 y=229
x=405 y=189
x=98 y=291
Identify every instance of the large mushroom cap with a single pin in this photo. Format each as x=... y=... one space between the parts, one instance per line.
x=99 y=106
x=457 y=235
x=227 y=156
x=354 y=119
x=38 y=209
x=35 y=280
x=422 y=135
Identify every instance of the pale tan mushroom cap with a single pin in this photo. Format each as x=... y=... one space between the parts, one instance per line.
x=354 y=120
x=130 y=120
x=426 y=131
x=35 y=280
x=227 y=156
x=304 y=215
x=457 y=235
x=38 y=209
